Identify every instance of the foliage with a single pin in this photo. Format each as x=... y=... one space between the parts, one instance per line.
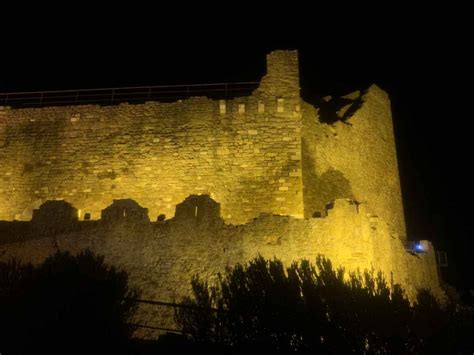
x=68 y=304
x=263 y=306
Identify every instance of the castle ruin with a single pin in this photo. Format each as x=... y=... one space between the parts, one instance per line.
x=267 y=173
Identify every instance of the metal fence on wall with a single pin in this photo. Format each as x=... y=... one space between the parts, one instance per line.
x=111 y=96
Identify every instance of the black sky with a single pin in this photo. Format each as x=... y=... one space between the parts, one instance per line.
x=424 y=76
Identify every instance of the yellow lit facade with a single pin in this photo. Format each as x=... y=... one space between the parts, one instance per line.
x=268 y=159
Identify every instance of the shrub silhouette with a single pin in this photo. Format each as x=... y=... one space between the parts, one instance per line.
x=68 y=304
x=263 y=307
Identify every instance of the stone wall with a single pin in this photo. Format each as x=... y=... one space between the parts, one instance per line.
x=267 y=160
x=162 y=257
x=245 y=152
x=253 y=154
x=353 y=157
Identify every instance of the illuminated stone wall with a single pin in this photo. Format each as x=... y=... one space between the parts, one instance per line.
x=162 y=257
x=353 y=157
x=252 y=154
x=258 y=156
x=245 y=153
x=267 y=152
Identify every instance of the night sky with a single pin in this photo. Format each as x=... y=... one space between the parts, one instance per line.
x=424 y=78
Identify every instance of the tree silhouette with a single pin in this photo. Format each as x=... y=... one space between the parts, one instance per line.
x=67 y=304
x=316 y=308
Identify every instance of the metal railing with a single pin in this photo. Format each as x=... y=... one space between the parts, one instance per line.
x=166 y=304
x=441 y=258
x=139 y=94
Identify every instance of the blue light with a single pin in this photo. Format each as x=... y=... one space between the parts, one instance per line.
x=419 y=247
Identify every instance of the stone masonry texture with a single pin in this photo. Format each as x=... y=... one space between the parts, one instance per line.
x=162 y=257
x=259 y=174
x=160 y=153
x=271 y=155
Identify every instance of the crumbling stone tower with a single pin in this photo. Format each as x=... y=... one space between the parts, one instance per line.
x=267 y=152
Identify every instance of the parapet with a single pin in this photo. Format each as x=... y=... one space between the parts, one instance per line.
x=199 y=208
x=196 y=241
x=125 y=211
x=54 y=217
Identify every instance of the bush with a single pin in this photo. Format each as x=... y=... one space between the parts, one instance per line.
x=262 y=306
x=68 y=304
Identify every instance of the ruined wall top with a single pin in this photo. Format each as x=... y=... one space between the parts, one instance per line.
x=282 y=77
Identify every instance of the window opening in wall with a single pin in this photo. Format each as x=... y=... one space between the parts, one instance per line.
x=195 y=211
